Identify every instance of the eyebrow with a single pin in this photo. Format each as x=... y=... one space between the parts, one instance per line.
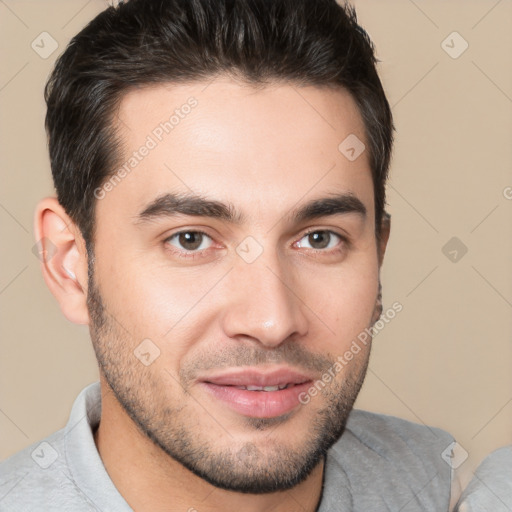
x=170 y=205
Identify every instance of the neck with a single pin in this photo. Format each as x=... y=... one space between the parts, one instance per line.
x=150 y=480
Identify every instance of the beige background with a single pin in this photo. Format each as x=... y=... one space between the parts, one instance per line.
x=446 y=359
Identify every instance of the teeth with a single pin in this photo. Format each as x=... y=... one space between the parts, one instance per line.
x=263 y=388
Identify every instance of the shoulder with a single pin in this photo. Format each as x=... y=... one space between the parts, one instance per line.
x=390 y=433
x=491 y=487
x=29 y=478
x=40 y=477
x=386 y=461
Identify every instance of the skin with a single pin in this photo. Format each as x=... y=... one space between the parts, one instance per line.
x=267 y=151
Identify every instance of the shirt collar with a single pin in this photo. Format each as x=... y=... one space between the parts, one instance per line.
x=83 y=458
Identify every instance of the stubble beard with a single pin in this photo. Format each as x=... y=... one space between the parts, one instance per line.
x=245 y=467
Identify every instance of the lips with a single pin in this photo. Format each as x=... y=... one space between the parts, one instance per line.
x=260 y=379
x=256 y=393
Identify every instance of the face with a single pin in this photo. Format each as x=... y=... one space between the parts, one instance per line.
x=234 y=262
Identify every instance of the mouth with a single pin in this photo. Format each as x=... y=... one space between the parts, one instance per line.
x=258 y=394
x=265 y=388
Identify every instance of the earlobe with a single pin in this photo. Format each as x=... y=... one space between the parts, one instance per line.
x=61 y=250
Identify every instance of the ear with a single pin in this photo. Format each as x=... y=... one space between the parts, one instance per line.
x=385 y=229
x=381 y=249
x=63 y=256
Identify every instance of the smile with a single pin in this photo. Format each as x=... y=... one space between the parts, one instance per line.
x=257 y=394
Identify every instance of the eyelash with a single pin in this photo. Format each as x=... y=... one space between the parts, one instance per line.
x=204 y=252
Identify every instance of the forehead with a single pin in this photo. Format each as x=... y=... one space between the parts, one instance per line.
x=260 y=148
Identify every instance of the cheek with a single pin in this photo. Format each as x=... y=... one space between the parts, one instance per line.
x=345 y=304
x=142 y=301
x=163 y=305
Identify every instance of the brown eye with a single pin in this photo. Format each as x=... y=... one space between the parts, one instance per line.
x=189 y=240
x=320 y=239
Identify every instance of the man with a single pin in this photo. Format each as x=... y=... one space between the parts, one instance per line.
x=220 y=169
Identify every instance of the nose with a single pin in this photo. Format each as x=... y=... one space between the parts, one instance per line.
x=264 y=303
